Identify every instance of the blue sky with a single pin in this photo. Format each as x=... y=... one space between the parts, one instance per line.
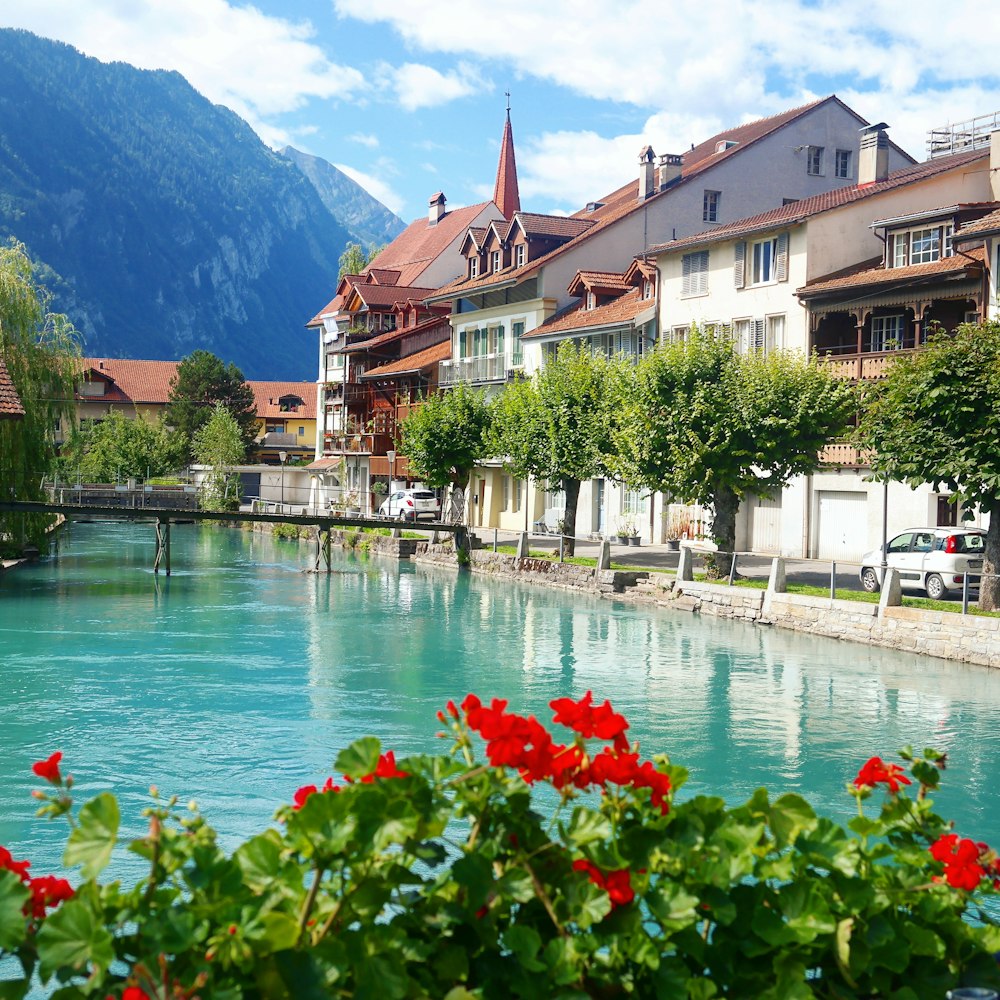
x=408 y=97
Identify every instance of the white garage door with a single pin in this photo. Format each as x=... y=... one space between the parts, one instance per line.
x=765 y=525
x=841 y=525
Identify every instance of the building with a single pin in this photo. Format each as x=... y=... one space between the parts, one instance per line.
x=286 y=421
x=855 y=275
x=10 y=402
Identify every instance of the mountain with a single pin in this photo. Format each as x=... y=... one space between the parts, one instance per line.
x=349 y=203
x=164 y=223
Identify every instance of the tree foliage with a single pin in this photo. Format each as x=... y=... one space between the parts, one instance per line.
x=557 y=425
x=219 y=443
x=710 y=426
x=119 y=448
x=445 y=436
x=355 y=258
x=40 y=351
x=936 y=419
x=202 y=380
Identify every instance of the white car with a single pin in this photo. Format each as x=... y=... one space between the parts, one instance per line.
x=930 y=559
x=411 y=505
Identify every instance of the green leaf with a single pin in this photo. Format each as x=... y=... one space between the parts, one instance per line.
x=73 y=937
x=260 y=859
x=13 y=895
x=790 y=815
x=275 y=931
x=360 y=758
x=91 y=842
x=588 y=903
x=290 y=975
x=525 y=942
x=14 y=989
x=586 y=826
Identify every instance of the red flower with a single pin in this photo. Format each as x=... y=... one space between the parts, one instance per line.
x=134 y=993
x=299 y=799
x=386 y=768
x=49 y=769
x=876 y=771
x=19 y=868
x=48 y=891
x=961 y=860
x=582 y=717
x=617 y=884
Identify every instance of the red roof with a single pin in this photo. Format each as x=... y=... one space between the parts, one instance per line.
x=10 y=402
x=388 y=295
x=505 y=192
x=988 y=225
x=427 y=358
x=618 y=312
x=133 y=381
x=266 y=397
x=799 y=211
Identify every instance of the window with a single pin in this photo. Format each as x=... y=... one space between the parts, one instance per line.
x=496 y=261
x=814 y=160
x=678 y=334
x=633 y=501
x=289 y=404
x=302 y=431
x=517 y=332
x=591 y=300
x=887 y=332
x=647 y=289
x=920 y=246
x=506 y=493
x=775 y=333
x=519 y=255
x=694 y=273
x=763 y=260
x=710 y=206
x=517 y=496
x=842 y=165
x=498 y=341
x=473 y=267
x=925 y=245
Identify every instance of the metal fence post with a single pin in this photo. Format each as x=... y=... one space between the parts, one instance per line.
x=833 y=580
x=496 y=532
x=965 y=592
x=562 y=539
x=732 y=570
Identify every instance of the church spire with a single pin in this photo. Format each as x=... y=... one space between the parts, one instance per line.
x=505 y=193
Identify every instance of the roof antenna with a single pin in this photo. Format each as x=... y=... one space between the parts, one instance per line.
x=507 y=95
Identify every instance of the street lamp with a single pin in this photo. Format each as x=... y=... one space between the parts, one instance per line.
x=391 y=456
x=282 y=455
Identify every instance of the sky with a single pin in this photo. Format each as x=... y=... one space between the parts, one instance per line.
x=408 y=96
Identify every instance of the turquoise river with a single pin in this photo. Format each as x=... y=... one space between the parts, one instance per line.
x=240 y=678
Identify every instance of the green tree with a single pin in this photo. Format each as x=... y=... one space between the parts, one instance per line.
x=556 y=426
x=120 y=448
x=219 y=443
x=202 y=380
x=445 y=436
x=936 y=419
x=40 y=351
x=710 y=426
x=355 y=258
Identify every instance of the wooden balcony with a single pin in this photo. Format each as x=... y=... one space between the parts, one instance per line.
x=348 y=443
x=845 y=455
x=870 y=366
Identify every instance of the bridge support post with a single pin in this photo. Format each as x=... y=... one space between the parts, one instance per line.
x=162 y=544
x=322 y=548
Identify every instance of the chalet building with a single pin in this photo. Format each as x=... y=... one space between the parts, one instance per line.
x=855 y=275
x=521 y=272
x=286 y=415
x=379 y=318
x=10 y=403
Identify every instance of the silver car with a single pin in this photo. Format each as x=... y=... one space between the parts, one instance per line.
x=930 y=559
x=411 y=505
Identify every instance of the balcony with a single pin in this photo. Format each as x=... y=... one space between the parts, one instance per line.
x=350 y=443
x=485 y=368
x=870 y=366
x=842 y=454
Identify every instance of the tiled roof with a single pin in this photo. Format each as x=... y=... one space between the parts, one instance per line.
x=134 y=381
x=388 y=295
x=505 y=192
x=477 y=234
x=986 y=226
x=799 y=211
x=10 y=403
x=330 y=309
x=552 y=226
x=619 y=311
x=610 y=280
x=383 y=276
x=391 y=336
x=426 y=358
x=267 y=394
x=872 y=273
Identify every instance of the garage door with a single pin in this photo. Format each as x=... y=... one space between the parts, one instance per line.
x=765 y=525
x=841 y=525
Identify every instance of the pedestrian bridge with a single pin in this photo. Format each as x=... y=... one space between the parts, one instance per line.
x=163 y=516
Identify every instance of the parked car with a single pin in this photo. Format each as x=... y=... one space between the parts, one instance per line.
x=930 y=559
x=411 y=505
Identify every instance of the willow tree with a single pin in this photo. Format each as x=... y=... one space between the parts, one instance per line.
x=556 y=426
x=935 y=419
x=711 y=426
x=40 y=351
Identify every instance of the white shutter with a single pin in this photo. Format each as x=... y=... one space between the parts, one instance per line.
x=686 y=274
x=757 y=335
x=782 y=262
x=739 y=264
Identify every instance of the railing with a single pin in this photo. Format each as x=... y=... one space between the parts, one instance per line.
x=970 y=134
x=347 y=443
x=840 y=453
x=485 y=368
x=870 y=366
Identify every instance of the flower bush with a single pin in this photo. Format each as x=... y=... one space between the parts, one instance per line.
x=442 y=876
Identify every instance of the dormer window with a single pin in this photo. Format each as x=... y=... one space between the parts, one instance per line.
x=591 y=300
x=920 y=246
x=496 y=261
x=647 y=289
x=520 y=252
x=473 y=267
x=289 y=404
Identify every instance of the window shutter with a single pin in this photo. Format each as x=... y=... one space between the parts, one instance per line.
x=739 y=264
x=782 y=262
x=757 y=335
x=686 y=274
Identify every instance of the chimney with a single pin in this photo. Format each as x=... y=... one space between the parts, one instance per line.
x=873 y=162
x=647 y=172
x=995 y=165
x=670 y=170
x=436 y=209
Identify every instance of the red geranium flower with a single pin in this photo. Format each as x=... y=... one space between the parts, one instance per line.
x=134 y=993
x=47 y=891
x=49 y=768
x=299 y=799
x=617 y=884
x=386 y=768
x=876 y=771
x=961 y=860
x=19 y=868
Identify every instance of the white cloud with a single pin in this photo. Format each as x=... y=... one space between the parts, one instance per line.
x=376 y=187
x=419 y=86
x=260 y=66
x=364 y=139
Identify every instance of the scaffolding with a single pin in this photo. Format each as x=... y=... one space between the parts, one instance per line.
x=962 y=136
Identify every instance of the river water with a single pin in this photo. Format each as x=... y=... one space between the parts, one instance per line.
x=241 y=677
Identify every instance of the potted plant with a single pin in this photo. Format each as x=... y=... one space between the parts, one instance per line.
x=625 y=529
x=352 y=503
x=676 y=526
